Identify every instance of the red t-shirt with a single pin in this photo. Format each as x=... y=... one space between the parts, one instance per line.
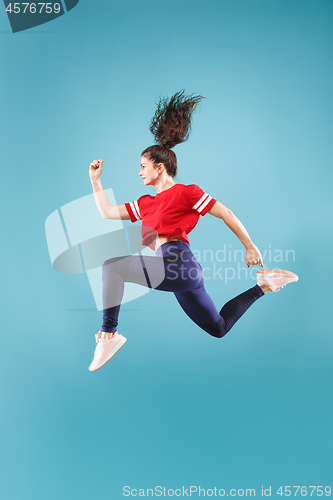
x=175 y=210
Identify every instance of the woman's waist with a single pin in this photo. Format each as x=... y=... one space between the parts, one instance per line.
x=160 y=240
x=170 y=248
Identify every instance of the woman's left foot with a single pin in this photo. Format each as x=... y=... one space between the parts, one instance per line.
x=105 y=349
x=275 y=278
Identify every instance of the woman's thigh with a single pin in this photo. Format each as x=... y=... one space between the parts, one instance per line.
x=176 y=274
x=198 y=305
x=160 y=273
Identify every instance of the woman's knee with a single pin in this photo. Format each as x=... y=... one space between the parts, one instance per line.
x=217 y=330
x=111 y=266
x=112 y=261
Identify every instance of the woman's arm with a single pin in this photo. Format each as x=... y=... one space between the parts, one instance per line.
x=107 y=210
x=252 y=256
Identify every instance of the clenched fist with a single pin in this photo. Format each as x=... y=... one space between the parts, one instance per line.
x=95 y=170
x=253 y=256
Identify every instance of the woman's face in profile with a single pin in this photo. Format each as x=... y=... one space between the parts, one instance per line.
x=148 y=172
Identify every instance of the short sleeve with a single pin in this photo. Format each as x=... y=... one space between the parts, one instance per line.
x=133 y=210
x=200 y=201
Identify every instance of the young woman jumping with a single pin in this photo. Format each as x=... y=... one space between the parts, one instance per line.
x=167 y=218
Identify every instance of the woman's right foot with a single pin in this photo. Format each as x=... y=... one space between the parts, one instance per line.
x=105 y=349
x=275 y=278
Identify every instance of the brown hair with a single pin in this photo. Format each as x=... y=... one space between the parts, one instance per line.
x=171 y=125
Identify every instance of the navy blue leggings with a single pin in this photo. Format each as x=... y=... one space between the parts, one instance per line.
x=174 y=269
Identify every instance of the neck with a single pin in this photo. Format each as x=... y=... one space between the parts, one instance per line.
x=164 y=184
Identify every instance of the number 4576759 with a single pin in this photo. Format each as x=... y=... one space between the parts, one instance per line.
x=33 y=8
x=304 y=491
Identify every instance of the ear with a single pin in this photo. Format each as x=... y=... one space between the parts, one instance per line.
x=160 y=166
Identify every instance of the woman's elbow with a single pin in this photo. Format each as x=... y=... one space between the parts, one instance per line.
x=227 y=215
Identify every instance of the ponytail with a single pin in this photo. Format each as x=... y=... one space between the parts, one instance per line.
x=170 y=126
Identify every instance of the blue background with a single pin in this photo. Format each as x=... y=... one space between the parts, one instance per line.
x=175 y=406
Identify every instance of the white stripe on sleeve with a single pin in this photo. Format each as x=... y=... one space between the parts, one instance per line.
x=134 y=210
x=204 y=204
x=137 y=208
x=200 y=205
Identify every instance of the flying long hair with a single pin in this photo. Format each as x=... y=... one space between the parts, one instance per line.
x=170 y=126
